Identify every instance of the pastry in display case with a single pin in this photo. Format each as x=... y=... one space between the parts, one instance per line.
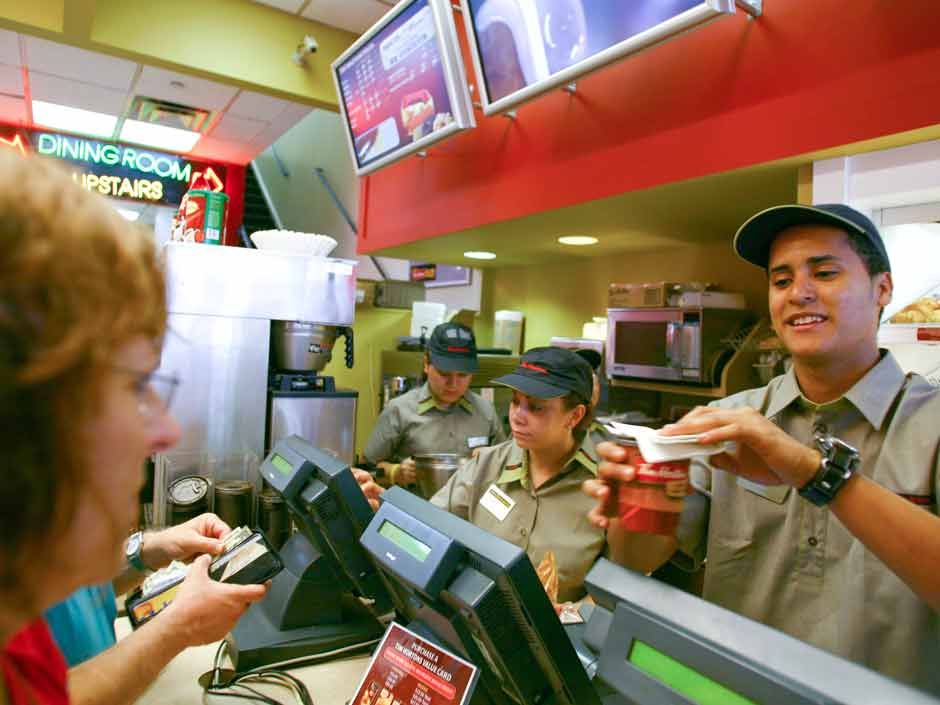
x=925 y=309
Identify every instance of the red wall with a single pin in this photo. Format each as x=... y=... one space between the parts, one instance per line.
x=808 y=75
x=235 y=189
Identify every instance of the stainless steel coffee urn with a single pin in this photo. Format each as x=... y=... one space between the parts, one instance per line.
x=222 y=301
x=304 y=402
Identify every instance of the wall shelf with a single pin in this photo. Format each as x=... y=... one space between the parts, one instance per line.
x=737 y=375
x=411 y=364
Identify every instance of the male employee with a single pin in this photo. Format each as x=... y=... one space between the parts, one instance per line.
x=103 y=672
x=440 y=416
x=823 y=516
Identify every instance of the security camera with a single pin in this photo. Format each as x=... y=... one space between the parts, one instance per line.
x=307 y=46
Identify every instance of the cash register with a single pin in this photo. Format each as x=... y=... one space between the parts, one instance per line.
x=329 y=596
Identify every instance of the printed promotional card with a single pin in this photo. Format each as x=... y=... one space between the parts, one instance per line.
x=408 y=670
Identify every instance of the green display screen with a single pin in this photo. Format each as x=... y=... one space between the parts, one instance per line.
x=405 y=541
x=281 y=464
x=687 y=681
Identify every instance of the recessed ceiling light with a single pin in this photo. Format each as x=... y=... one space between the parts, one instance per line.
x=479 y=254
x=128 y=214
x=172 y=139
x=83 y=122
x=577 y=240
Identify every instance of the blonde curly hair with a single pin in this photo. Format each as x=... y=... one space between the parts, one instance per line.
x=77 y=281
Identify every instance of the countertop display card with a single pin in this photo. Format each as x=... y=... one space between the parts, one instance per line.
x=408 y=670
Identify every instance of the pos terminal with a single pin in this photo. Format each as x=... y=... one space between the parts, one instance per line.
x=329 y=595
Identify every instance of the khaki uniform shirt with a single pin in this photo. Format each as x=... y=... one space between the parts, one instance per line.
x=413 y=423
x=552 y=517
x=794 y=566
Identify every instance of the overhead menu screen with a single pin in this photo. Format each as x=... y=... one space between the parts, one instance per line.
x=393 y=88
x=700 y=689
x=521 y=43
x=405 y=541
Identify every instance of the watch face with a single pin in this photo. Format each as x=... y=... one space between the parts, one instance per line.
x=133 y=544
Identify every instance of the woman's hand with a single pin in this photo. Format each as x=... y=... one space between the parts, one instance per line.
x=201 y=534
x=205 y=610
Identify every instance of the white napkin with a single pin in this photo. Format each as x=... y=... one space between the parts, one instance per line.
x=660 y=449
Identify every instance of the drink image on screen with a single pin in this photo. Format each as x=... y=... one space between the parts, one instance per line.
x=546 y=36
x=416 y=109
x=523 y=48
x=564 y=32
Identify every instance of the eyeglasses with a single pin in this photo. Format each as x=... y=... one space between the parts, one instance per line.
x=155 y=391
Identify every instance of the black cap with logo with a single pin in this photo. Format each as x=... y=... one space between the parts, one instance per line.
x=753 y=239
x=547 y=373
x=452 y=348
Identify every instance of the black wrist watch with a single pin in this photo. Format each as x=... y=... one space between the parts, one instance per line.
x=132 y=551
x=839 y=463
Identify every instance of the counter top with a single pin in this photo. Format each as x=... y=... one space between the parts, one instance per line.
x=332 y=683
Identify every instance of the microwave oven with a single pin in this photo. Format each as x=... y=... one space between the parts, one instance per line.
x=672 y=344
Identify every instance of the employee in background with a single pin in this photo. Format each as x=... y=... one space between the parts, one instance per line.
x=527 y=490
x=823 y=520
x=82 y=315
x=440 y=416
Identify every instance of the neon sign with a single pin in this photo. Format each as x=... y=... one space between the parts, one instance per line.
x=121 y=187
x=118 y=170
x=16 y=144
x=77 y=149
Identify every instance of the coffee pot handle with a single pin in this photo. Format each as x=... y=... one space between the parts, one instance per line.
x=348 y=334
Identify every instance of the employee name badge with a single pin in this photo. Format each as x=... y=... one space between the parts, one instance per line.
x=497 y=502
x=477 y=441
x=775 y=493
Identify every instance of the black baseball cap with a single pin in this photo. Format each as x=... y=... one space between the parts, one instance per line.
x=591 y=357
x=452 y=348
x=753 y=239
x=547 y=373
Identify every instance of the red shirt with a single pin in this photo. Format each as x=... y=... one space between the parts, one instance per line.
x=34 y=670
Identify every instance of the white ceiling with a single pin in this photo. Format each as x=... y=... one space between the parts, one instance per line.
x=243 y=124
x=354 y=16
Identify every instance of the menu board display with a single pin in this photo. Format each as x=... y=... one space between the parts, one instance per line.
x=401 y=85
x=524 y=47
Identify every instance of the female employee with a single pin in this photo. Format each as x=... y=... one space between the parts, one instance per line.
x=527 y=490
x=82 y=312
x=441 y=416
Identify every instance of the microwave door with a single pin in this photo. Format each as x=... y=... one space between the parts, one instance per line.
x=644 y=348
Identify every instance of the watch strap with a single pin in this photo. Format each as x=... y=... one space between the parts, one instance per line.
x=839 y=462
x=134 y=557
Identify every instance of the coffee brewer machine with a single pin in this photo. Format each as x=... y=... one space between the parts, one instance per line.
x=223 y=303
x=303 y=402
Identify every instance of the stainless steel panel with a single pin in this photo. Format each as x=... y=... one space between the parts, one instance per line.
x=243 y=283
x=326 y=422
x=220 y=405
